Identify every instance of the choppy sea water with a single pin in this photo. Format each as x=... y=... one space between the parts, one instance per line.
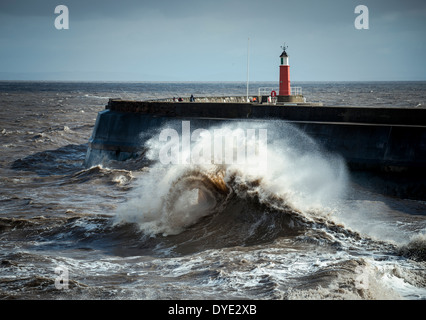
x=304 y=229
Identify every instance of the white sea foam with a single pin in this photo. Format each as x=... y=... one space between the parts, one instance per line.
x=297 y=172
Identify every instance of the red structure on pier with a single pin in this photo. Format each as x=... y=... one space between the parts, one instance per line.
x=284 y=89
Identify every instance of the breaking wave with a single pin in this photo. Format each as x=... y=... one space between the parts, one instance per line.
x=239 y=203
x=416 y=248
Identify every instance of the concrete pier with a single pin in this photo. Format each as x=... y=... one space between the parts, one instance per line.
x=378 y=139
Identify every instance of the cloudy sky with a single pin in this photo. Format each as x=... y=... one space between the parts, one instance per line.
x=207 y=40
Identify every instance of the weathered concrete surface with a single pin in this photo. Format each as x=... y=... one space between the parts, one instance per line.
x=292 y=98
x=384 y=139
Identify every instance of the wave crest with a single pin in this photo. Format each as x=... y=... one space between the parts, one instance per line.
x=415 y=249
x=300 y=182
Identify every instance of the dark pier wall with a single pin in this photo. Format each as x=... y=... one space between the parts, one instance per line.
x=384 y=139
x=293 y=112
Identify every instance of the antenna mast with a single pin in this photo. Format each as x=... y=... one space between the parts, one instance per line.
x=248 y=52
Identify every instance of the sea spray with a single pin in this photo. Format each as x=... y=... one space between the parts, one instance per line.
x=416 y=248
x=297 y=173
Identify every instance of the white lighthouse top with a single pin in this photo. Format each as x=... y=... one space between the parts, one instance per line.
x=284 y=56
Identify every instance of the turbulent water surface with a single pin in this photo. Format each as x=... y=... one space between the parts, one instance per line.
x=304 y=228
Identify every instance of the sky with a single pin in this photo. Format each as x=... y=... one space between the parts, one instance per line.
x=212 y=40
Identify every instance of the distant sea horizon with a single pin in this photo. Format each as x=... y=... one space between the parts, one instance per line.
x=272 y=82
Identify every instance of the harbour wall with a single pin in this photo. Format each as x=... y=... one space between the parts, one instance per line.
x=372 y=139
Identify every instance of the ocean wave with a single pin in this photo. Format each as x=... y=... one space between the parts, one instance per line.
x=415 y=249
x=93 y=96
x=222 y=205
x=63 y=160
x=119 y=177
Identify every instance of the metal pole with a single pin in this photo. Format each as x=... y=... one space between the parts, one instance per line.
x=248 y=52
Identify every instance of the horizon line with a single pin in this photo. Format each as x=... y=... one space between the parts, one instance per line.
x=193 y=81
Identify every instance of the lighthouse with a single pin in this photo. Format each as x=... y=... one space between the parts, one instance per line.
x=284 y=89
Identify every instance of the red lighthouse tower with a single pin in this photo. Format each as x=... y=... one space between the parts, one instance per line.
x=284 y=74
x=285 y=94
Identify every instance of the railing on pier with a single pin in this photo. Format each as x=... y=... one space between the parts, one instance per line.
x=296 y=91
x=267 y=91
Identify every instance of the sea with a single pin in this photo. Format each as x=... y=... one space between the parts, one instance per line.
x=305 y=229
